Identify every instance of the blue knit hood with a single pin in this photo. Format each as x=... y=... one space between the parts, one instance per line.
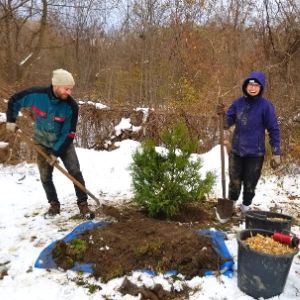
x=259 y=77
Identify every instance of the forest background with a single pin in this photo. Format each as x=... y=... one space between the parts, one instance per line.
x=171 y=55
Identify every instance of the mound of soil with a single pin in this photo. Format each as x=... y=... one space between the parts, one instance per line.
x=134 y=241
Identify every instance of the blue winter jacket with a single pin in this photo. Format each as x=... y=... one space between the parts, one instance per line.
x=55 y=119
x=251 y=117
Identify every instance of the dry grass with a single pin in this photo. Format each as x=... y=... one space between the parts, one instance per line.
x=96 y=130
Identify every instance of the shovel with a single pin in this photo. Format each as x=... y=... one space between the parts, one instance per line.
x=30 y=142
x=224 y=207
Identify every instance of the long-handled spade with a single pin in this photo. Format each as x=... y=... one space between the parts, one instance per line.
x=31 y=143
x=224 y=208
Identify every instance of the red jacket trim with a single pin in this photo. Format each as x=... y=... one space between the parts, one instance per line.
x=39 y=112
x=58 y=119
x=71 y=135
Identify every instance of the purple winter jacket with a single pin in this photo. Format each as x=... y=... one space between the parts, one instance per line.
x=251 y=117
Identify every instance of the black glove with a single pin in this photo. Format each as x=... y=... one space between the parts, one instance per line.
x=275 y=161
x=220 y=109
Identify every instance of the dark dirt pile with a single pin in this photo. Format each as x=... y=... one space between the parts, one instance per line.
x=134 y=241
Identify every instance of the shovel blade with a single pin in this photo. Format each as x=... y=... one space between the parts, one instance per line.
x=224 y=210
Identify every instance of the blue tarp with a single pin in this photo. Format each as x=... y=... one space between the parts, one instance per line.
x=46 y=261
x=218 y=243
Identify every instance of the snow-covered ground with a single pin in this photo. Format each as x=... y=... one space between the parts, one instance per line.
x=24 y=232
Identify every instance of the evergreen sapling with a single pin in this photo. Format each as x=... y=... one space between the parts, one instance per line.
x=164 y=180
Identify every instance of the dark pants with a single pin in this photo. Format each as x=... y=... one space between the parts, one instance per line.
x=244 y=171
x=71 y=163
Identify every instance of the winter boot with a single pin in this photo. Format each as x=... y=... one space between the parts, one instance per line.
x=85 y=212
x=54 y=208
x=244 y=208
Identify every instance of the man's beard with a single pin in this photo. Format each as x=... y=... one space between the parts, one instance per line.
x=62 y=96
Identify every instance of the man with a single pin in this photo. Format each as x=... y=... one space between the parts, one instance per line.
x=251 y=115
x=56 y=115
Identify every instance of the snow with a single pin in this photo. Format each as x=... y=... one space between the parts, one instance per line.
x=145 y=112
x=97 y=105
x=3 y=145
x=25 y=232
x=125 y=124
x=2 y=117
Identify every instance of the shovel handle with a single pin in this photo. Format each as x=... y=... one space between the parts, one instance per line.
x=57 y=166
x=221 y=128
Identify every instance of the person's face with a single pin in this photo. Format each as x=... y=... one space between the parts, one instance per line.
x=253 y=88
x=63 y=92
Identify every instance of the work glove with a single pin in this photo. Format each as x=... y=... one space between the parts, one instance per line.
x=52 y=160
x=220 y=109
x=11 y=127
x=275 y=161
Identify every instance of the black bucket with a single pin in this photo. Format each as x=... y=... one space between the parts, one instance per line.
x=269 y=221
x=260 y=274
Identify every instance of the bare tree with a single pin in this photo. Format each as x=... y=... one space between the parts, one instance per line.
x=281 y=34
x=84 y=21
x=21 y=38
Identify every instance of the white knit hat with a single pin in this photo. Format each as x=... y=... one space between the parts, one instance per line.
x=62 y=77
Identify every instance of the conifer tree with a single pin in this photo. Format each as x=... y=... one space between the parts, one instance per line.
x=164 y=180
